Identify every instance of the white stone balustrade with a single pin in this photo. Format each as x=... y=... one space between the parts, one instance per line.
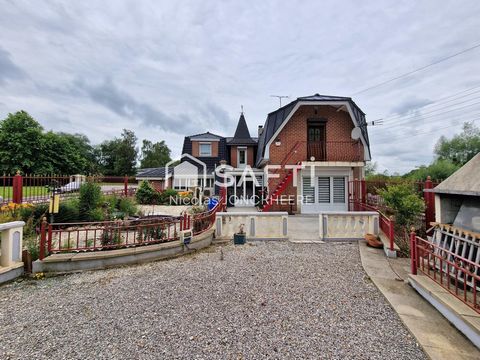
x=11 y=264
x=348 y=225
x=257 y=225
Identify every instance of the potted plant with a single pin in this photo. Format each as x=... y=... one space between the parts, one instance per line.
x=240 y=237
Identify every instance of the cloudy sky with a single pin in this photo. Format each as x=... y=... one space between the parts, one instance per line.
x=169 y=68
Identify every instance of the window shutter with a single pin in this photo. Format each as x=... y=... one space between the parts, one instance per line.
x=259 y=180
x=308 y=190
x=339 y=190
x=324 y=190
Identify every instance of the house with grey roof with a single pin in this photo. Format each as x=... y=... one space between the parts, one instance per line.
x=301 y=160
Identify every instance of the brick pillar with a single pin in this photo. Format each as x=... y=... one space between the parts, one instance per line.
x=17 y=188
x=429 y=198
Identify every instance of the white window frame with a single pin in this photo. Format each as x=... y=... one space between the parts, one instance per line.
x=242 y=148
x=314 y=183
x=200 y=154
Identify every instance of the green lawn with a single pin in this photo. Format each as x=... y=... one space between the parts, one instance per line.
x=28 y=191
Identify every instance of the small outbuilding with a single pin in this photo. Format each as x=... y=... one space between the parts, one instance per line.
x=457 y=199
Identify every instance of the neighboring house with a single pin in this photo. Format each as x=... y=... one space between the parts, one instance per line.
x=325 y=135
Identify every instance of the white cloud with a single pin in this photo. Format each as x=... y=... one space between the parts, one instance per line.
x=164 y=69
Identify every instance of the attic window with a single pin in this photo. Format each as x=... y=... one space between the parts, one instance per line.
x=205 y=149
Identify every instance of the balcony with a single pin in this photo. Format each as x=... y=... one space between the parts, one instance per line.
x=351 y=151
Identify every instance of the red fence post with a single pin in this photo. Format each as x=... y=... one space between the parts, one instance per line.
x=429 y=198
x=125 y=185
x=413 y=252
x=391 y=234
x=43 y=238
x=17 y=188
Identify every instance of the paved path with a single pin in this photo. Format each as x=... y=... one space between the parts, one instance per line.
x=438 y=337
x=264 y=299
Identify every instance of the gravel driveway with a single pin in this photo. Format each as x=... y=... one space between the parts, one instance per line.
x=264 y=300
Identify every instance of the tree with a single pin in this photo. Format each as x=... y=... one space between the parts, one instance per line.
x=154 y=154
x=462 y=147
x=440 y=169
x=119 y=156
x=21 y=142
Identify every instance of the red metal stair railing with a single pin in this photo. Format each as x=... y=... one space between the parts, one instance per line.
x=279 y=189
x=287 y=179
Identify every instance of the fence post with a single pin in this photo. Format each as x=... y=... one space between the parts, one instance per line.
x=413 y=252
x=429 y=198
x=364 y=191
x=391 y=234
x=125 y=185
x=43 y=238
x=17 y=188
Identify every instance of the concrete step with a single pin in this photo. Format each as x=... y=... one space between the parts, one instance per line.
x=463 y=317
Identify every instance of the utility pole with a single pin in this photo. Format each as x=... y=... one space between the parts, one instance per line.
x=280 y=97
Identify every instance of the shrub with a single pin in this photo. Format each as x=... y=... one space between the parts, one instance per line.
x=167 y=194
x=89 y=199
x=146 y=194
x=68 y=211
x=404 y=201
x=127 y=206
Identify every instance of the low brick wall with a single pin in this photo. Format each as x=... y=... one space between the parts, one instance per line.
x=258 y=226
x=71 y=262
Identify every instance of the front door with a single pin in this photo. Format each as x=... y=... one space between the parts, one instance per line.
x=244 y=191
x=316 y=142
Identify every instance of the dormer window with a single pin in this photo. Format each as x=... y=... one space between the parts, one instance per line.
x=205 y=149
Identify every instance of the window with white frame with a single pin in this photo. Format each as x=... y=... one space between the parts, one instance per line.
x=242 y=157
x=205 y=149
x=324 y=189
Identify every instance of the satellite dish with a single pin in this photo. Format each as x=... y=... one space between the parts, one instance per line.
x=356 y=133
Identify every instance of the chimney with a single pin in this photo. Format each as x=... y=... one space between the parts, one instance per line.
x=260 y=130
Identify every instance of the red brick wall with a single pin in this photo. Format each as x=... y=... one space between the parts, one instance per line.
x=338 y=129
x=233 y=156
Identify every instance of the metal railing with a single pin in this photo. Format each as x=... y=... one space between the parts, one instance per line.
x=106 y=235
x=38 y=188
x=457 y=274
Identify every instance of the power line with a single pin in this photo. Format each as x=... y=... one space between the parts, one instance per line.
x=433 y=113
x=437 y=103
x=418 y=69
x=425 y=133
x=438 y=120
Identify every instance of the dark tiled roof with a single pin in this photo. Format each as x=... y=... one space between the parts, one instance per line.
x=207 y=135
x=276 y=118
x=153 y=172
x=242 y=135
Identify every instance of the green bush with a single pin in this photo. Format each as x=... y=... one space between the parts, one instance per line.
x=90 y=199
x=127 y=206
x=68 y=211
x=167 y=194
x=146 y=194
x=404 y=201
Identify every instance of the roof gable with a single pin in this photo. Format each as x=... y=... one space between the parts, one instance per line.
x=276 y=118
x=464 y=181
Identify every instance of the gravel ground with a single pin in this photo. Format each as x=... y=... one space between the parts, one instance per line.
x=263 y=300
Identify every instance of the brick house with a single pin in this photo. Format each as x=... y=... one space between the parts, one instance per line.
x=302 y=160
